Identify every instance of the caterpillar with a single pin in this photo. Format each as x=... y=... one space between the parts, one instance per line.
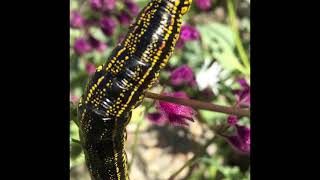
x=118 y=86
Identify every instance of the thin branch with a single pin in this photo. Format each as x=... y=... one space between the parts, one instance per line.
x=200 y=105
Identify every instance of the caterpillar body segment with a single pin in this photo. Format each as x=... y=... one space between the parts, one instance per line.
x=119 y=85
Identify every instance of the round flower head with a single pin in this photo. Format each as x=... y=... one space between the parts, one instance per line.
x=181 y=75
x=76 y=20
x=133 y=7
x=81 y=46
x=124 y=18
x=189 y=33
x=204 y=4
x=103 y=5
x=108 y=25
x=96 y=44
x=95 y=4
x=90 y=68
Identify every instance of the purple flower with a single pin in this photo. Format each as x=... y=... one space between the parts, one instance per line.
x=243 y=94
x=156 y=118
x=108 y=5
x=95 y=4
x=81 y=46
x=241 y=140
x=124 y=18
x=176 y=114
x=180 y=43
x=243 y=83
x=238 y=145
x=90 y=68
x=133 y=7
x=189 y=33
x=92 y=22
x=245 y=100
x=98 y=45
x=232 y=120
x=244 y=133
x=108 y=25
x=181 y=75
x=204 y=4
x=76 y=20
x=172 y=113
x=103 y=5
x=207 y=93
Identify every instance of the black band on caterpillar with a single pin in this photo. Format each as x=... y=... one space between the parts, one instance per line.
x=118 y=86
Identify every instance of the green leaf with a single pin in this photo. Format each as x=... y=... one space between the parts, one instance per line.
x=174 y=60
x=229 y=62
x=213 y=171
x=74 y=130
x=218 y=38
x=98 y=34
x=193 y=53
x=224 y=32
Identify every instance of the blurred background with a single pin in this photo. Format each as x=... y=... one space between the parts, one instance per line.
x=211 y=63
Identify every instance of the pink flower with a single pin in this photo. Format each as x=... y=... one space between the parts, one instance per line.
x=240 y=141
x=182 y=75
x=103 y=5
x=74 y=99
x=180 y=43
x=232 y=120
x=243 y=94
x=82 y=46
x=132 y=6
x=76 y=20
x=90 y=68
x=96 y=44
x=95 y=4
x=124 y=18
x=156 y=118
x=175 y=114
x=204 y=4
x=187 y=33
x=108 y=26
x=108 y=5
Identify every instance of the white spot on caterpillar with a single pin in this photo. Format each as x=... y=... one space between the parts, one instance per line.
x=106 y=119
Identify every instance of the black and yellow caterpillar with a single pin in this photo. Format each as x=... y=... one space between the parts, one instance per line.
x=118 y=86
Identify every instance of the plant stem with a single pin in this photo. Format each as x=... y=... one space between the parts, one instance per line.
x=76 y=141
x=200 y=105
x=136 y=134
x=193 y=159
x=134 y=146
x=235 y=31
